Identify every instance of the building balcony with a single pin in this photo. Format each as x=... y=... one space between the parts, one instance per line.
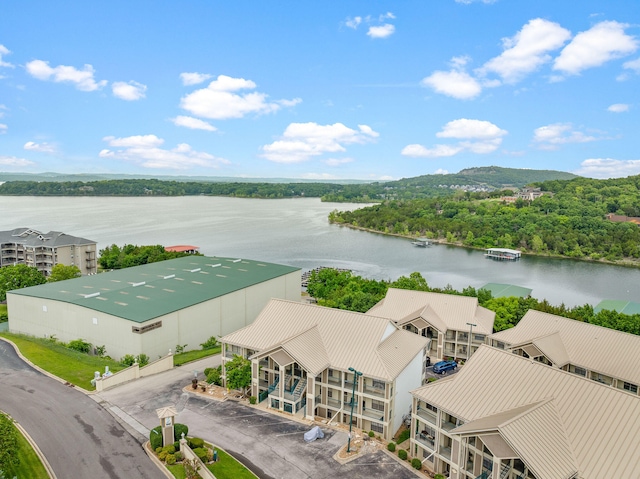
x=334 y=380
x=334 y=403
x=445 y=452
x=426 y=440
x=229 y=354
x=448 y=426
x=374 y=391
x=373 y=414
x=427 y=415
x=264 y=363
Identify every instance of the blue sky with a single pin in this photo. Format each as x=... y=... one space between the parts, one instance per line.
x=352 y=89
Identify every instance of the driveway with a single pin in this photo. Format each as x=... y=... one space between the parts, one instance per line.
x=272 y=444
x=76 y=435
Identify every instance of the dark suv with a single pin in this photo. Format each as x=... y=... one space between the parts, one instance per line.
x=444 y=366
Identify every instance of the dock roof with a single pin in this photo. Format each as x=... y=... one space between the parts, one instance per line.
x=501 y=290
x=624 y=307
x=145 y=292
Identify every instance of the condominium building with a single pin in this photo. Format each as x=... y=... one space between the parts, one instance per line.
x=504 y=416
x=315 y=361
x=45 y=250
x=456 y=325
x=604 y=355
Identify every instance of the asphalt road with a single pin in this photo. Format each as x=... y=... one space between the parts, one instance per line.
x=272 y=444
x=78 y=437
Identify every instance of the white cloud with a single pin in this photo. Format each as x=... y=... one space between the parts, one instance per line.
x=608 y=168
x=550 y=136
x=618 y=108
x=471 y=129
x=477 y=136
x=194 y=78
x=4 y=51
x=302 y=141
x=381 y=31
x=218 y=100
x=353 y=22
x=145 y=151
x=455 y=83
x=41 y=147
x=14 y=161
x=128 y=91
x=318 y=176
x=527 y=50
x=193 y=123
x=3 y=128
x=82 y=79
x=632 y=65
x=440 y=171
x=337 y=161
x=603 y=42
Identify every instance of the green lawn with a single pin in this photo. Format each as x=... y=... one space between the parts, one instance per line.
x=30 y=466
x=3 y=310
x=226 y=468
x=183 y=358
x=72 y=366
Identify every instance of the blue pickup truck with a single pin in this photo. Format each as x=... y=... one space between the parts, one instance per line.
x=444 y=366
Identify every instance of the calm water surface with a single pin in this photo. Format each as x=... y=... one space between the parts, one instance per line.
x=297 y=232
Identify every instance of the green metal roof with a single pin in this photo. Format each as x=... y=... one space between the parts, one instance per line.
x=145 y=292
x=499 y=290
x=624 y=307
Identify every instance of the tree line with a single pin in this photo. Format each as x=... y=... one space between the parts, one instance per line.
x=344 y=290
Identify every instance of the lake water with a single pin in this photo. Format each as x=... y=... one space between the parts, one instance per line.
x=296 y=232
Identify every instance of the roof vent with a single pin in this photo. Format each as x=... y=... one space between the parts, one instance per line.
x=195 y=270
x=169 y=276
x=92 y=295
x=141 y=283
x=216 y=265
x=236 y=260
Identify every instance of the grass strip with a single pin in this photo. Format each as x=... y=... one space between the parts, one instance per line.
x=227 y=467
x=183 y=358
x=67 y=364
x=30 y=465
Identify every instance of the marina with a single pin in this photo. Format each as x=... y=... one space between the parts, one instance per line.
x=503 y=254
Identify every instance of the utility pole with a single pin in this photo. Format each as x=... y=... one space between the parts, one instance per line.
x=353 y=402
x=471 y=325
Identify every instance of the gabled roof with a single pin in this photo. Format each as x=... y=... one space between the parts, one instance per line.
x=599 y=423
x=442 y=311
x=607 y=351
x=34 y=238
x=318 y=337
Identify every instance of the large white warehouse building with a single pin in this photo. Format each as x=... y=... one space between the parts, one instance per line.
x=152 y=308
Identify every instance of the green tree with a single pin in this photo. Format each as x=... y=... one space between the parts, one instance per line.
x=8 y=444
x=60 y=272
x=238 y=372
x=18 y=276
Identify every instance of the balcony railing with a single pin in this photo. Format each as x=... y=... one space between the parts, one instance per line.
x=334 y=380
x=374 y=391
x=374 y=414
x=426 y=440
x=445 y=452
x=448 y=426
x=427 y=415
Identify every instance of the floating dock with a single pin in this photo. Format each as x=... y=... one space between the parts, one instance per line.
x=503 y=254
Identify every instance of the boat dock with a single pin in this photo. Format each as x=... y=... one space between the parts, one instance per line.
x=503 y=254
x=421 y=242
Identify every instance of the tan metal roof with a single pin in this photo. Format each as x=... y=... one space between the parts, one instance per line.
x=599 y=423
x=442 y=311
x=552 y=346
x=498 y=446
x=319 y=337
x=282 y=358
x=599 y=349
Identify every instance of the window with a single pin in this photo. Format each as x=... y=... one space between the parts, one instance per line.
x=430 y=407
x=377 y=405
x=378 y=384
x=579 y=371
x=375 y=427
x=478 y=337
x=500 y=345
x=630 y=387
x=330 y=373
x=330 y=393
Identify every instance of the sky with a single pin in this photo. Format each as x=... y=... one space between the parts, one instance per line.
x=371 y=90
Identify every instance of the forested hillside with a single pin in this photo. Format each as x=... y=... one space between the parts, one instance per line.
x=568 y=221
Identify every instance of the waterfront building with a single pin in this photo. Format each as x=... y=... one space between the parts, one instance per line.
x=154 y=307
x=602 y=354
x=456 y=325
x=305 y=359
x=504 y=416
x=45 y=250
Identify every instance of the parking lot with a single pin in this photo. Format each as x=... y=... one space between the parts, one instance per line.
x=430 y=374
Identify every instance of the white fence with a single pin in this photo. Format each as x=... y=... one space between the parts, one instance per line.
x=187 y=453
x=134 y=372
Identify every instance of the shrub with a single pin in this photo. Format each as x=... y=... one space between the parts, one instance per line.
x=195 y=442
x=391 y=446
x=127 y=360
x=372 y=434
x=178 y=429
x=80 y=345
x=171 y=459
x=415 y=463
x=210 y=343
x=201 y=452
x=207 y=371
x=252 y=399
x=162 y=455
x=169 y=449
x=430 y=380
x=143 y=360
x=178 y=456
x=101 y=350
x=176 y=445
x=180 y=348
x=402 y=454
x=214 y=376
x=438 y=476
x=155 y=438
x=404 y=435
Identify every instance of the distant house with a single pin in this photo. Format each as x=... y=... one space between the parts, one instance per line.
x=304 y=356
x=507 y=417
x=529 y=194
x=623 y=219
x=604 y=355
x=45 y=250
x=451 y=322
x=182 y=248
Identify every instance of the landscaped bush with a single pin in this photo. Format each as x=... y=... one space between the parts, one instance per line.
x=430 y=380
x=162 y=455
x=171 y=459
x=438 y=476
x=402 y=454
x=214 y=376
x=143 y=359
x=210 y=343
x=155 y=438
x=80 y=345
x=176 y=445
x=195 y=442
x=415 y=463
x=128 y=360
x=372 y=434
x=169 y=449
x=404 y=435
x=253 y=399
x=178 y=429
x=391 y=446
x=201 y=452
x=178 y=456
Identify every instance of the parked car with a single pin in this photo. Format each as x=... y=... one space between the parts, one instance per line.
x=444 y=366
